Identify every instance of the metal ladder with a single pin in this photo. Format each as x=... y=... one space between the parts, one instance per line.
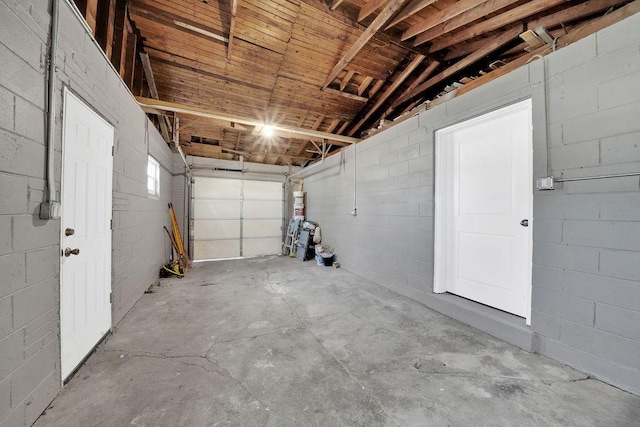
x=289 y=247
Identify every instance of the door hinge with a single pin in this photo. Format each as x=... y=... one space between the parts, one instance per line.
x=111 y=224
x=111 y=297
x=113 y=150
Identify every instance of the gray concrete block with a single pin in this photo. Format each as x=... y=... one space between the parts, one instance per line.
x=5 y=398
x=42 y=264
x=555 y=304
x=21 y=79
x=15 y=418
x=11 y=353
x=550 y=278
x=619 y=91
x=7 y=110
x=575 y=155
x=602 y=124
x=5 y=234
x=30 y=232
x=610 y=347
x=554 y=205
x=27 y=47
x=572 y=100
x=567 y=257
x=421 y=164
x=25 y=380
x=389 y=159
x=545 y=324
x=13 y=193
x=620 y=206
x=13 y=273
x=619 y=321
x=6 y=320
x=610 y=185
x=620 y=264
x=407 y=126
x=409 y=153
x=32 y=302
x=620 y=148
x=608 y=290
x=506 y=88
x=603 y=234
x=399 y=169
x=42 y=396
x=620 y=35
x=571 y=56
x=30 y=121
x=21 y=156
x=547 y=230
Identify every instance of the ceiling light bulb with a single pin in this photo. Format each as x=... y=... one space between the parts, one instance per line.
x=267 y=131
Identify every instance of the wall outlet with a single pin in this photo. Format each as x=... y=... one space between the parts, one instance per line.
x=50 y=210
x=544 y=183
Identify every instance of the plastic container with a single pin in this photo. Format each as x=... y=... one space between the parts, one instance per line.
x=298 y=212
x=298 y=197
x=319 y=260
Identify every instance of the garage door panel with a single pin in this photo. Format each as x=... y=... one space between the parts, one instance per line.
x=213 y=249
x=257 y=247
x=261 y=228
x=216 y=209
x=208 y=229
x=262 y=190
x=262 y=209
x=217 y=188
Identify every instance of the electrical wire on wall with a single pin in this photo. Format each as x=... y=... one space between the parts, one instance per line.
x=354 y=212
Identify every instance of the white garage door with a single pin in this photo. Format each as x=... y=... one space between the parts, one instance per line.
x=234 y=218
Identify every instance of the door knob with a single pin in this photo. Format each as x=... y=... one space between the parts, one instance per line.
x=69 y=231
x=68 y=252
x=524 y=223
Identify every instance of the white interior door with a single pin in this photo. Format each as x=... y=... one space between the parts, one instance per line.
x=85 y=306
x=484 y=209
x=234 y=218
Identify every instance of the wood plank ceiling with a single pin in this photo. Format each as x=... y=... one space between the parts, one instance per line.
x=337 y=67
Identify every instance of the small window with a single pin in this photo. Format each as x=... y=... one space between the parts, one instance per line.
x=153 y=177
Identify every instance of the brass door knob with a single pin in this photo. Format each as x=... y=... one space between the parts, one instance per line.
x=68 y=252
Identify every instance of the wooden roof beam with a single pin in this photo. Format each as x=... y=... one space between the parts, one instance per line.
x=409 y=11
x=153 y=90
x=514 y=15
x=371 y=30
x=573 y=13
x=452 y=11
x=232 y=24
x=154 y=104
x=364 y=85
x=422 y=77
x=463 y=19
x=370 y=7
x=335 y=4
x=496 y=43
x=389 y=91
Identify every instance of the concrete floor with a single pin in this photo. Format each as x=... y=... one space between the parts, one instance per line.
x=278 y=342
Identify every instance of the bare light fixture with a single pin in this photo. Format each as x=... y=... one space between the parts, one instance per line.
x=268 y=131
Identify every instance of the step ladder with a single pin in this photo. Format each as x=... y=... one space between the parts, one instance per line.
x=289 y=247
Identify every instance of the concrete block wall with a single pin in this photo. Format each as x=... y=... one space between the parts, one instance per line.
x=29 y=247
x=586 y=288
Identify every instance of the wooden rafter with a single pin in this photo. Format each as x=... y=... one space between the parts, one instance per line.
x=335 y=4
x=371 y=30
x=465 y=18
x=376 y=87
x=370 y=7
x=347 y=95
x=152 y=104
x=450 y=12
x=499 y=21
x=234 y=9
x=389 y=91
x=409 y=11
x=346 y=79
x=153 y=90
x=422 y=77
x=364 y=85
x=496 y=43
x=572 y=13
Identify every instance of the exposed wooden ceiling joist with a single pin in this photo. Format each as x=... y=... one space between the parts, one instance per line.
x=496 y=43
x=410 y=10
x=195 y=111
x=232 y=25
x=370 y=7
x=151 y=82
x=450 y=12
x=371 y=30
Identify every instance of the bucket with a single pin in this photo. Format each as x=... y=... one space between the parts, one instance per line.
x=298 y=211
x=298 y=197
x=328 y=260
x=319 y=260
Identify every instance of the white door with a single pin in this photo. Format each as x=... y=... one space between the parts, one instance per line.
x=235 y=217
x=85 y=306
x=484 y=206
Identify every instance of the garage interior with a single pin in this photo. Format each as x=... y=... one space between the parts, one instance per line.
x=473 y=165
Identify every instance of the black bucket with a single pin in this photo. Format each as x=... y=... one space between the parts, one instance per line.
x=328 y=260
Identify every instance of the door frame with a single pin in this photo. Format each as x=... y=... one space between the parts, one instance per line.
x=66 y=93
x=443 y=203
